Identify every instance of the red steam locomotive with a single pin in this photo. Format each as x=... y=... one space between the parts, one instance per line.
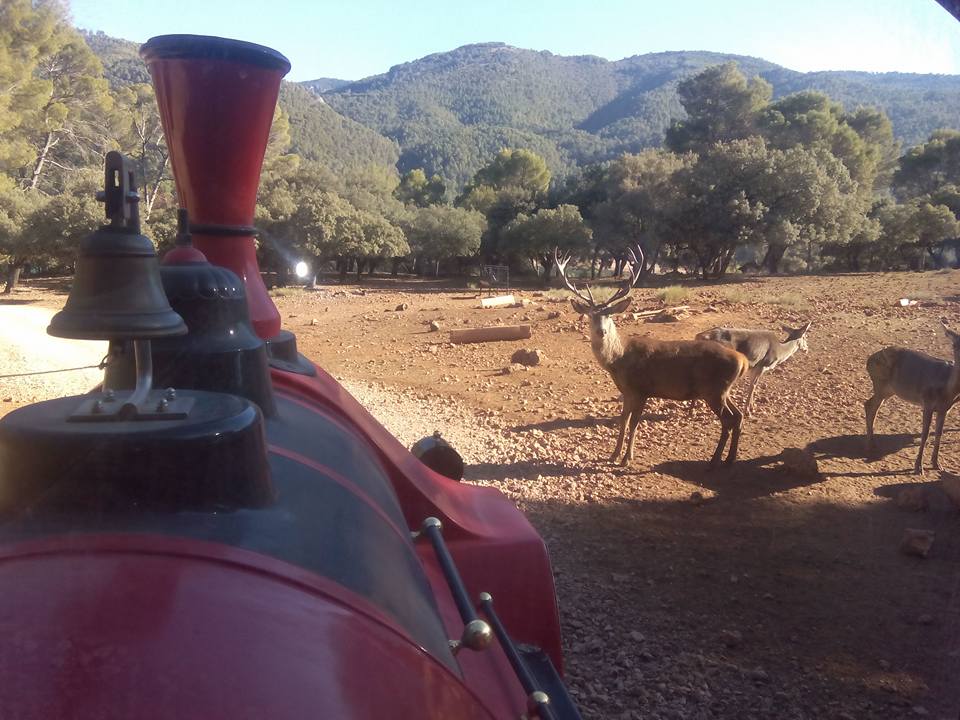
x=220 y=530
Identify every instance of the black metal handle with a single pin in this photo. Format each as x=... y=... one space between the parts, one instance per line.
x=537 y=701
x=476 y=632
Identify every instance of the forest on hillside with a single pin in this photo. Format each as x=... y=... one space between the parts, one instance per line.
x=575 y=111
x=707 y=163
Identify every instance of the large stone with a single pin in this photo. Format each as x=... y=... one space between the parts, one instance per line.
x=528 y=357
x=913 y=499
x=951 y=486
x=917 y=542
x=800 y=462
x=669 y=315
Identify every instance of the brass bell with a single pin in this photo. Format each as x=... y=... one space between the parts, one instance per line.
x=117 y=293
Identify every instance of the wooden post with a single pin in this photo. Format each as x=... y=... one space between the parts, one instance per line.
x=499 y=301
x=490 y=334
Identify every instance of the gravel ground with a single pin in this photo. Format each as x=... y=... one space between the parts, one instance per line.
x=25 y=347
x=759 y=591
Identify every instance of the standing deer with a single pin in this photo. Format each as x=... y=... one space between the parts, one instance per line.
x=929 y=382
x=643 y=368
x=762 y=348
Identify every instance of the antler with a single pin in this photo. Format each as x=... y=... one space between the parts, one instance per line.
x=562 y=266
x=636 y=268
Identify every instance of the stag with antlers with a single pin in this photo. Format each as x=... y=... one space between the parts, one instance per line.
x=643 y=367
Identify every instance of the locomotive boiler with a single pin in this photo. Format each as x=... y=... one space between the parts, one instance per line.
x=219 y=530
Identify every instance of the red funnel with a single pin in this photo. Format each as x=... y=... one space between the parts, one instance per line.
x=216 y=100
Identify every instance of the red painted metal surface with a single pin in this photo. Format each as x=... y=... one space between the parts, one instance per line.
x=216 y=116
x=143 y=626
x=494 y=545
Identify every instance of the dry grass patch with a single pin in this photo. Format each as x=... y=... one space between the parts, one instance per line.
x=672 y=294
x=790 y=300
x=737 y=295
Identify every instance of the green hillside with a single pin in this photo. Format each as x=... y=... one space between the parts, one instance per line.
x=317 y=132
x=450 y=111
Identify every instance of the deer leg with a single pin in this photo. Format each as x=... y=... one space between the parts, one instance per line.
x=624 y=416
x=634 y=421
x=871 y=407
x=725 y=416
x=737 y=423
x=935 y=460
x=927 y=417
x=754 y=379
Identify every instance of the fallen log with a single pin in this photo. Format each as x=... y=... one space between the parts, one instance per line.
x=499 y=301
x=648 y=313
x=490 y=334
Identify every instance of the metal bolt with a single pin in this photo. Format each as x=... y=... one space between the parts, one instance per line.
x=109 y=395
x=477 y=635
x=170 y=394
x=162 y=405
x=97 y=407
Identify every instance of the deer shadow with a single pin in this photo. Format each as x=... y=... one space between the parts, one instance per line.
x=567 y=423
x=585 y=422
x=854 y=447
x=743 y=480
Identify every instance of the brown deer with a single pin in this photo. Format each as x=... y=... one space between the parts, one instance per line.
x=762 y=348
x=643 y=368
x=929 y=382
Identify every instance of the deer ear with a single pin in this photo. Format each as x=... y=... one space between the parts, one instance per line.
x=579 y=307
x=619 y=307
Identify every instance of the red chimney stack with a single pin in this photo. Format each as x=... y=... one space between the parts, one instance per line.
x=217 y=98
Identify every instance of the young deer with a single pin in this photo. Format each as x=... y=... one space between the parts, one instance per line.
x=643 y=368
x=762 y=348
x=929 y=382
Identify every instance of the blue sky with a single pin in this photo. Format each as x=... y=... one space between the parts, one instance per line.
x=358 y=38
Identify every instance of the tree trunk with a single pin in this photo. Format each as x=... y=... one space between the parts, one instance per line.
x=773 y=258
x=13 y=277
x=546 y=261
x=395 y=267
x=151 y=196
x=342 y=267
x=48 y=145
x=593 y=266
x=359 y=271
x=652 y=259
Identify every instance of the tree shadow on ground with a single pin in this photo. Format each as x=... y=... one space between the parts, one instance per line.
x=817 y=594
x=499 y=472
x=936 y=499
x=16 y=301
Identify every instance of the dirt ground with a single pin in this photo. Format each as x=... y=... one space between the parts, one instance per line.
x=779 y=594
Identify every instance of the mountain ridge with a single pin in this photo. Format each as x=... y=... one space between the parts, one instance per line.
x=449 y=112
